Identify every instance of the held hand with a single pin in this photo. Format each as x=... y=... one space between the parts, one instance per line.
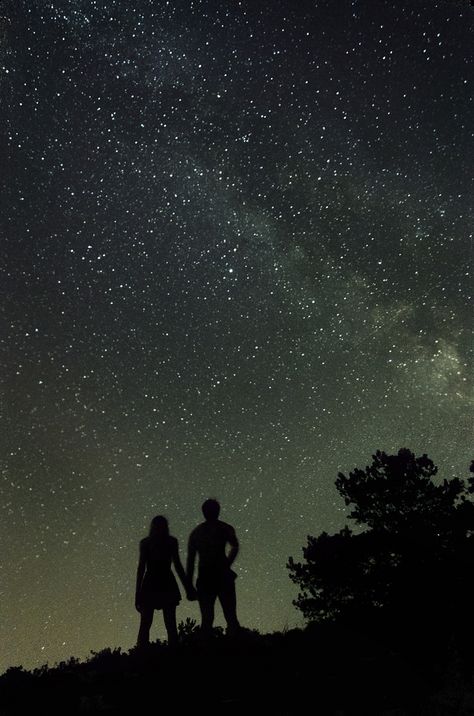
x=191 y=594
x=138 y=606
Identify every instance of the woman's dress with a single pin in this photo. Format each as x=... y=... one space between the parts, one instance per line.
x=159 y=587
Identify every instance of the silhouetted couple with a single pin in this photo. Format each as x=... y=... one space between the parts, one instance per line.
x=157 y=588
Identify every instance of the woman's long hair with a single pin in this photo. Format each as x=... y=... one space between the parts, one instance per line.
x=159 y=529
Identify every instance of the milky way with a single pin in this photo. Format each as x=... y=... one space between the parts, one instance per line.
x=235 y=253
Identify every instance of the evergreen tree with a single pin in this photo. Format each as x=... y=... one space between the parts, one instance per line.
x=410 y=562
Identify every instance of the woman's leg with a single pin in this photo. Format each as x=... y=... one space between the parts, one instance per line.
x=146 y=620
x=169 y=616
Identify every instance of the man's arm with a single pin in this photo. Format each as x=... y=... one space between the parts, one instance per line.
x=234 y=546
x=191 y=559
x=190 y=592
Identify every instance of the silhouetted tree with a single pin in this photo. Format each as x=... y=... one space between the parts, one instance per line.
x=413 y=560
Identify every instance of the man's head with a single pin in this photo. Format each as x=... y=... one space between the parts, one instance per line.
x=211 y=509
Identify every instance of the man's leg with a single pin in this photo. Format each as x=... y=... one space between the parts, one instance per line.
x=228 y=600
x=206 y=605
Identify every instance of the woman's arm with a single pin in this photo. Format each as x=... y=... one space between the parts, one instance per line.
x=140 y=574
x=181 y=573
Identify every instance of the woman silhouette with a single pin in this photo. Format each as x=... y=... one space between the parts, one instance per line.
x=156 y=584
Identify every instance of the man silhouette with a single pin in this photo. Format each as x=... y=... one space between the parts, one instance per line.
x=215 y=580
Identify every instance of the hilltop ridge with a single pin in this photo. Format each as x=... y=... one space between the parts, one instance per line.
x=324 y=669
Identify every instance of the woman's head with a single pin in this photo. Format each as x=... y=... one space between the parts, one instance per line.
x=159 y=527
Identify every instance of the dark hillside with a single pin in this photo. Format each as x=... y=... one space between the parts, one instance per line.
x=323 y=670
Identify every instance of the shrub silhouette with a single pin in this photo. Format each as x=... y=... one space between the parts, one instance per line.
x=187 y=629
x=408 y=570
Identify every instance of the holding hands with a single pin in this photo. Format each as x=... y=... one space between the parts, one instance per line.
x=191 y=593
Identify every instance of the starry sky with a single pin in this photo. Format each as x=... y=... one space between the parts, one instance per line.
x=234 y=260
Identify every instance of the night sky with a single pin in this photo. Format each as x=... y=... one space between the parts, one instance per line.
x=234 y=260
